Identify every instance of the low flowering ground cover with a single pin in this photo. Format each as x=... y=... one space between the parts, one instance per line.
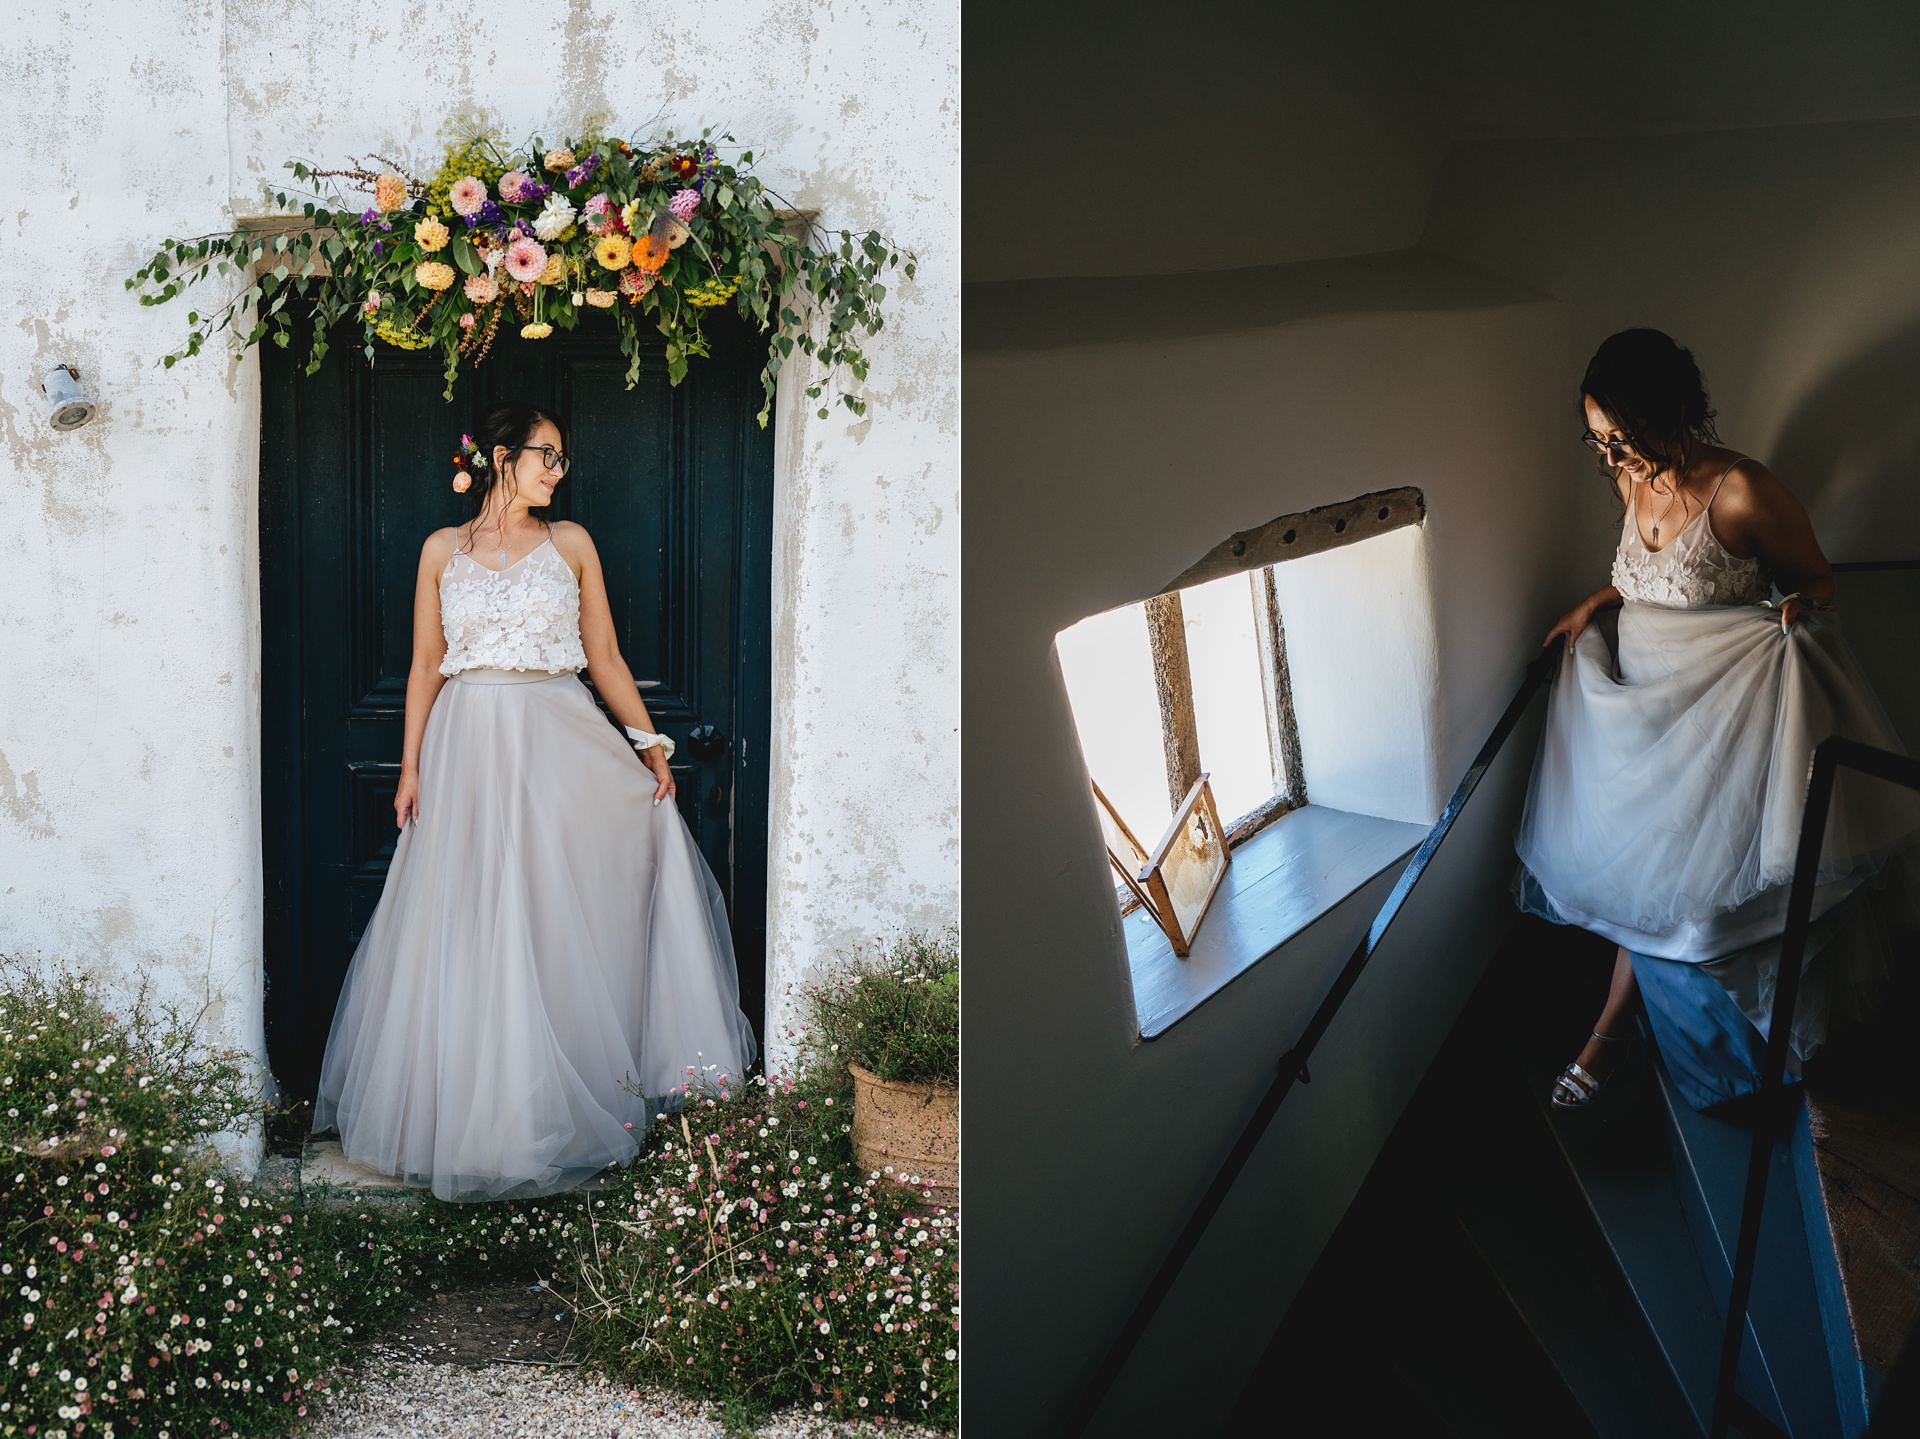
x=746 y=1256
x=144 y=1290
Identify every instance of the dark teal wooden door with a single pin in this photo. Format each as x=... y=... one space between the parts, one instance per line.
x=676 y=487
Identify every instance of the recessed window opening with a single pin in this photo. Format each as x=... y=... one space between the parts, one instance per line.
x=1196 y=679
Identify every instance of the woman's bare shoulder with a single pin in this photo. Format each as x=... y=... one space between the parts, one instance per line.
x=573 y=541
x=1750 y=488
x=440 y=546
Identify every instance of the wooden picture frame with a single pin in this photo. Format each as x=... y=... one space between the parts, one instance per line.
x=1177 y=880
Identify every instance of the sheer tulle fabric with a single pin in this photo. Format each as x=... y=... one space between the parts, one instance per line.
x=1665 y=807
x=548 y=942
x=1664 y=810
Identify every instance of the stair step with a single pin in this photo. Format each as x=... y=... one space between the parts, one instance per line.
x=1710 y=1157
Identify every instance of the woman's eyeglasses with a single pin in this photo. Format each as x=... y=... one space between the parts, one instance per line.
x=1612 y=451
x=550 y=457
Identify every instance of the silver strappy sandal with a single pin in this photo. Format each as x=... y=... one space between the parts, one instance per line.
x=1577 y=1087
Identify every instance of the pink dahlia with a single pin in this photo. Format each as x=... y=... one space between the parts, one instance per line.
x=512 y=183
x=467 y=195
x=594 y=214
x=526 y=261
x=482 y=289
x=684 y=205
x=635 y=282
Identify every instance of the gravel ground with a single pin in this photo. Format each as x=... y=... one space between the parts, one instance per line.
x=408 y=1399
x=470 y=1363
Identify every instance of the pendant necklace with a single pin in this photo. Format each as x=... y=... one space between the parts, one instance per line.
x=1656 y=519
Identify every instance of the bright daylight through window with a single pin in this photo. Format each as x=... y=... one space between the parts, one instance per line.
x=1185 y=683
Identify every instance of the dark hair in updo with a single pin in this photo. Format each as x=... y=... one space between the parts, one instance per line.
x=511 y=424
x=1651 y=388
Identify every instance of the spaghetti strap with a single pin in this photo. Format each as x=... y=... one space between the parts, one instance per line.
x=1721 y=481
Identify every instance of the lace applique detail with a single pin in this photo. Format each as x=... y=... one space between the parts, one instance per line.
x=525 y=617
x=1693 y=572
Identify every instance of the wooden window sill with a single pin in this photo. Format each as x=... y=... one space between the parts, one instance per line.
x=1281 y=881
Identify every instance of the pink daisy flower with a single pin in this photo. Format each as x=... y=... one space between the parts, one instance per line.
x=467 y=195
x=594 y=215
x=526 y=260
x=512 y=183
x=684 y=205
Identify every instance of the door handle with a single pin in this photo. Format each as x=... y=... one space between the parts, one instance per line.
x=705 y=742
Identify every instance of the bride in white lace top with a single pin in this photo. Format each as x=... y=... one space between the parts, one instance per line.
x=551 y=955
x=1665 y=803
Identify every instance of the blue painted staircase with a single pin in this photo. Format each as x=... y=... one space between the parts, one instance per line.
x=1590 y=1252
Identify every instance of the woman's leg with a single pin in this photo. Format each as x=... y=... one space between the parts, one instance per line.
x=1615 y=1020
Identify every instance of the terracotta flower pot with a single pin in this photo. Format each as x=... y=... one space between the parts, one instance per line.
x=912 y=1130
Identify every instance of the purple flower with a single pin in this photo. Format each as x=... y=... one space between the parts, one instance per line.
x=533 y=191
x=487 y=214
x=379 y=247
x=369 y=216
x=585 y=168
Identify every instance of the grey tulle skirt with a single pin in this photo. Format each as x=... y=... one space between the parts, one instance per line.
x=549 y=961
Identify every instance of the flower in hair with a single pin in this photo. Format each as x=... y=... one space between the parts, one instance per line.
x=467 y=462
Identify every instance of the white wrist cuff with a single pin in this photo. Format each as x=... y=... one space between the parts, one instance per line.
x=644 y=741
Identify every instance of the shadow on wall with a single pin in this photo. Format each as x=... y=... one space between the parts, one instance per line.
x=1851 y=451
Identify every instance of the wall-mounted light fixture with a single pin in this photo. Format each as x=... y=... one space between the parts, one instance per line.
x=68 y=405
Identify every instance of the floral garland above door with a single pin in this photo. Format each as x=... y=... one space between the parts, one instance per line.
x=664 y=230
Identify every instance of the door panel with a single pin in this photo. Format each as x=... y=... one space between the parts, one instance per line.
x=675 y=485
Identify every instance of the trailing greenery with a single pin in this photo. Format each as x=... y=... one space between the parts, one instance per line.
x=660 y=229
x=894 y=1010
x=747 y=1256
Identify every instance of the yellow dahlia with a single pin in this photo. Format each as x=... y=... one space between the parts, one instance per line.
x=613 y=252
x=600 y=299
x=555 y=272
x=538 y=330
x=389 y=192
x=433 y=275
x=431 y=235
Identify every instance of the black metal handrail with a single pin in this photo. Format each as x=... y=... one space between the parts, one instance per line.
x=1293 y=1064
x=1828 y=759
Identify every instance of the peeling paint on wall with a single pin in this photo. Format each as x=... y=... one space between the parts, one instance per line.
x=129 y=612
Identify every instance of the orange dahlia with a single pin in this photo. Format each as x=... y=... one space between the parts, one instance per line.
x=389 y=192
x=649 y=253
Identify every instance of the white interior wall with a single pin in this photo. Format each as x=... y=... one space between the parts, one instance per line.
x=129 y=652
x=1363 y=658
x=1085 y=1146
x=1782 y=257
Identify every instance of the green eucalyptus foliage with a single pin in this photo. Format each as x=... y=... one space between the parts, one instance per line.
x=783 y=273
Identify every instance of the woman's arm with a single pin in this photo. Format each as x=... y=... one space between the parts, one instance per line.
x=423 y=677
x=1575 y=620
x=609 y=671
x=1760 y=517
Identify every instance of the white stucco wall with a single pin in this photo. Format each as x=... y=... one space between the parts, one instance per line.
x=129 y=644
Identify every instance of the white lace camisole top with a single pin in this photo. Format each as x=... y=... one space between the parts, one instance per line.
x=1691 y=571
x=524 y=617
